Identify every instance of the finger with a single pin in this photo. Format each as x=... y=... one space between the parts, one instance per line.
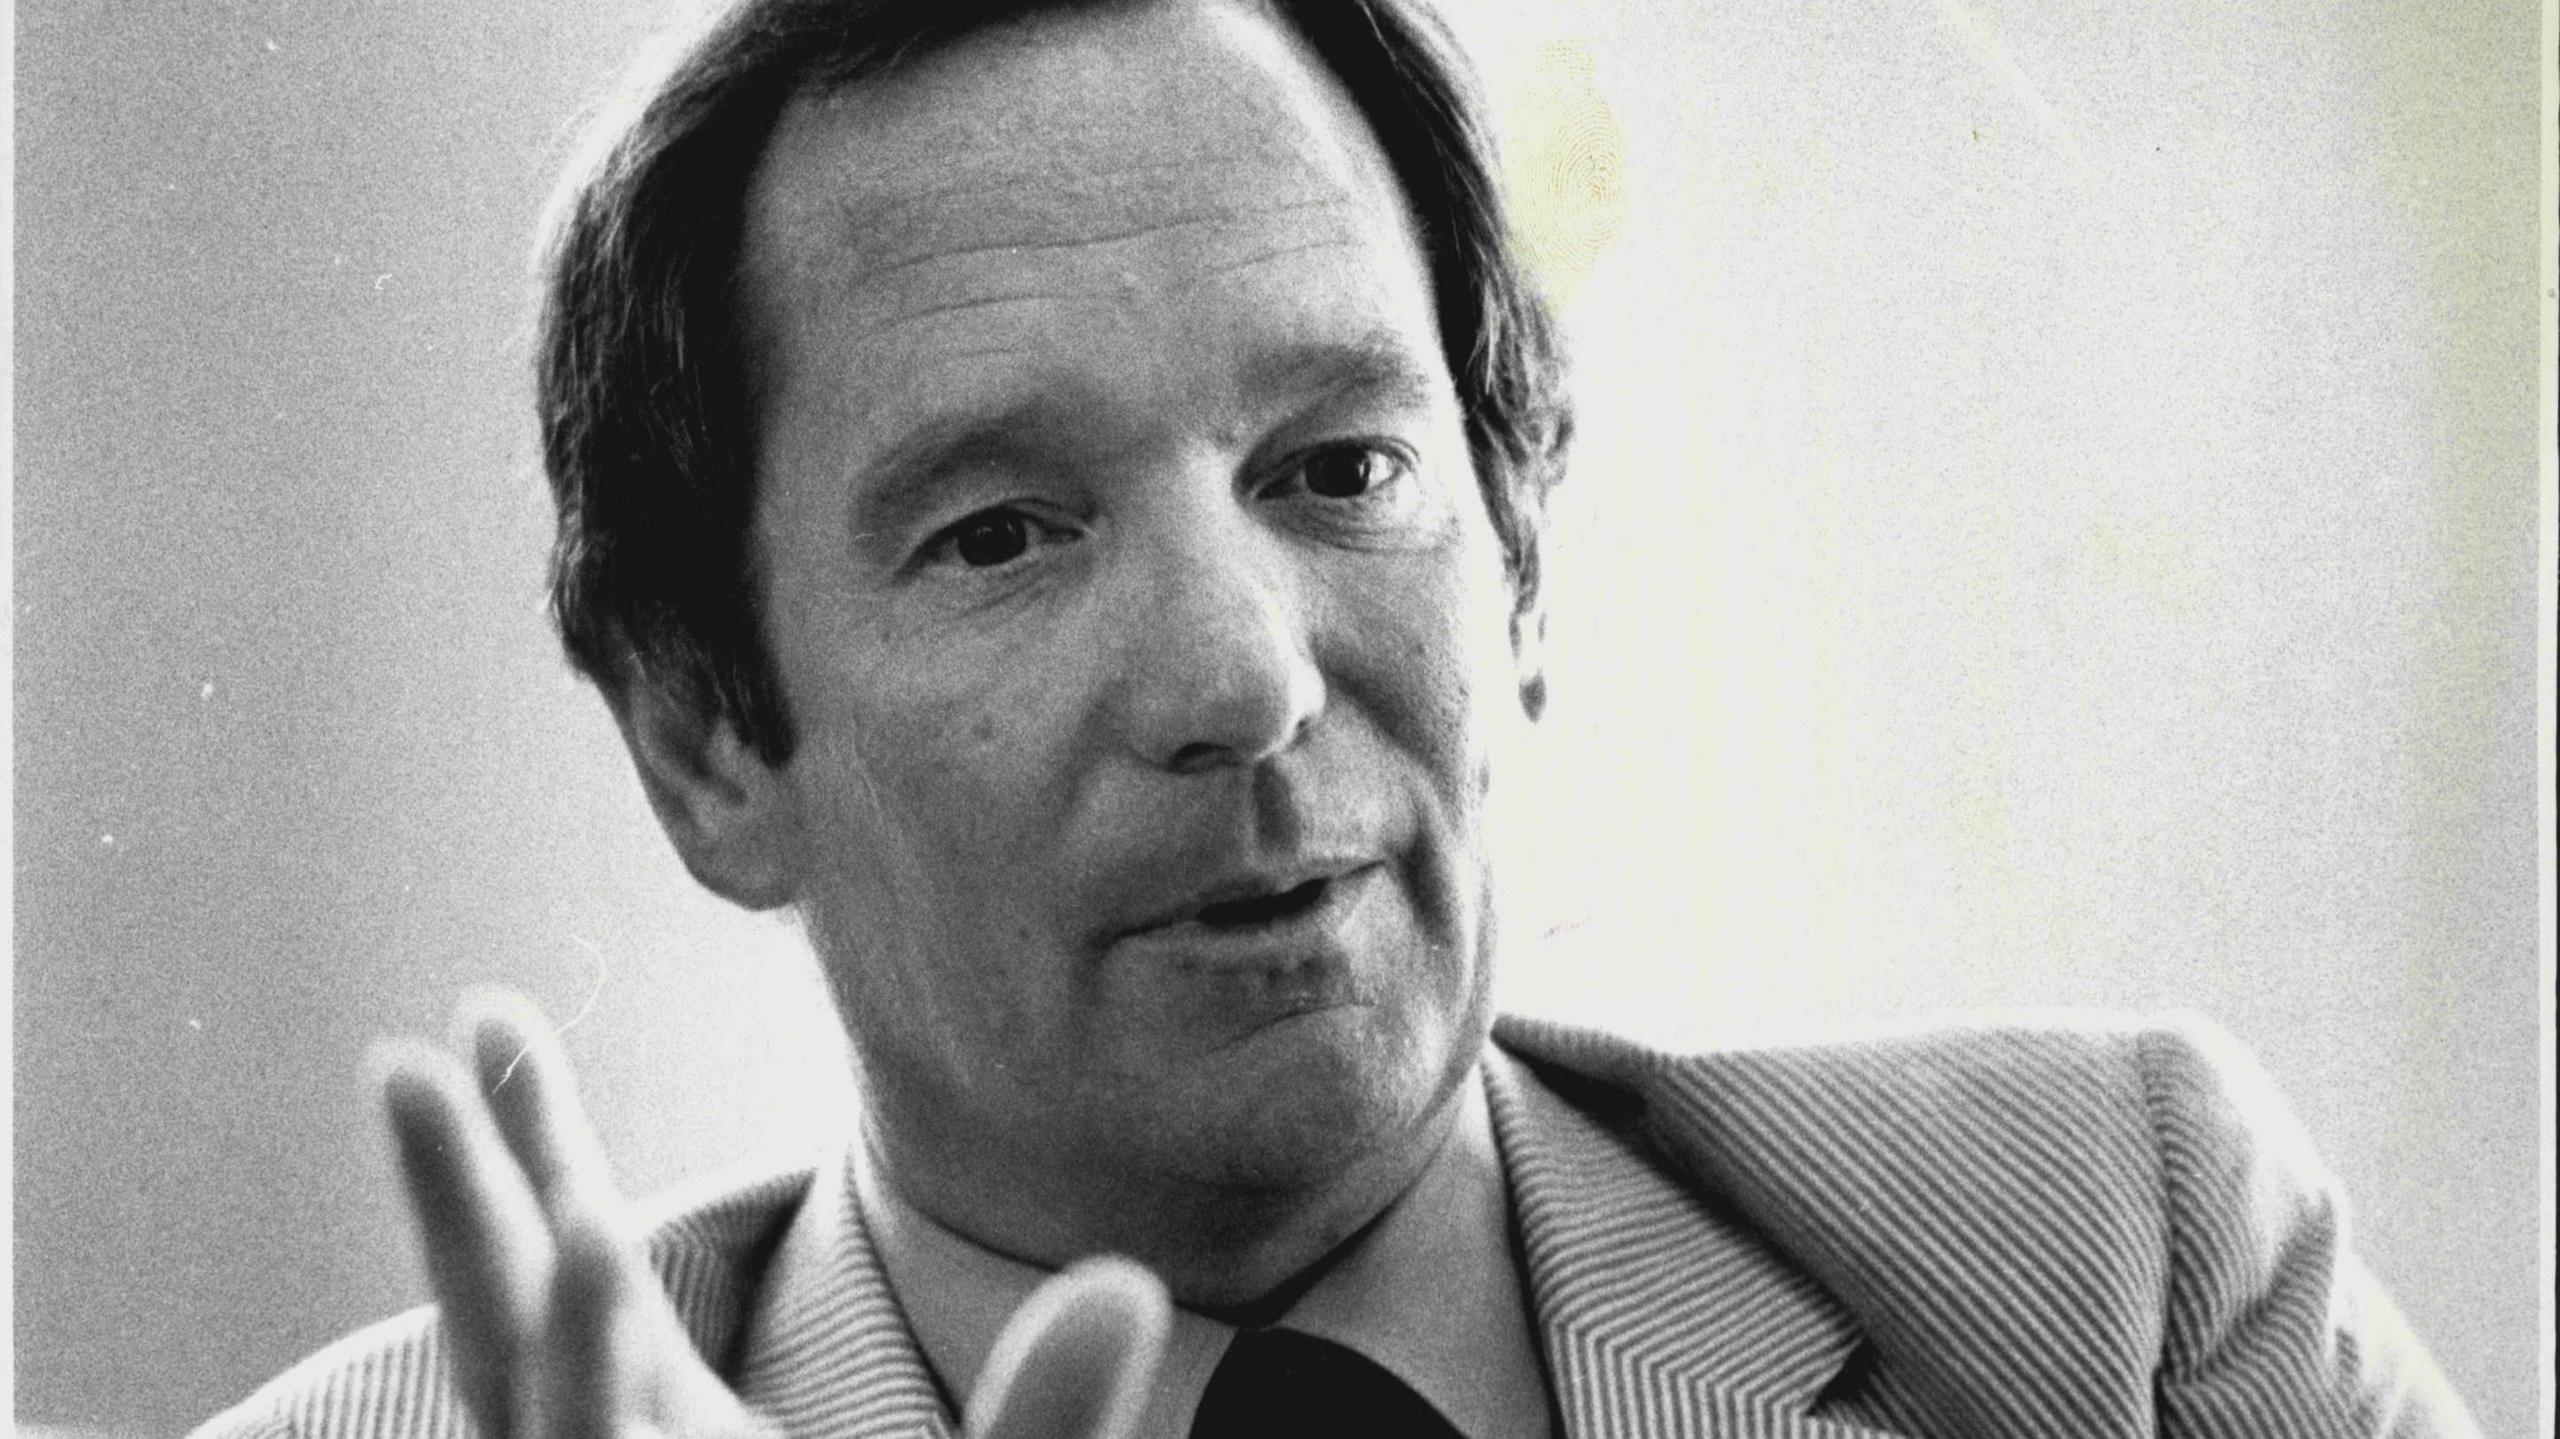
x=535 y=1101
x=1077 y=1359
x=586 y=1378
x=487 y=1250
x=604 y=1367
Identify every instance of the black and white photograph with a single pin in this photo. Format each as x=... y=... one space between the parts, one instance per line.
x=1199 y=719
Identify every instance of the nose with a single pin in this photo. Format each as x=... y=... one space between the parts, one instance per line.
x=1219 y=668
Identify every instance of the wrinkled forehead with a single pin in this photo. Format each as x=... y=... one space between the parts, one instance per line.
x=1195 y=124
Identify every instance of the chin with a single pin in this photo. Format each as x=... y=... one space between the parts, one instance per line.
x=1320 y=1100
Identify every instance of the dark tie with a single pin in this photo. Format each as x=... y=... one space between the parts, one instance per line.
x=1284 y=1385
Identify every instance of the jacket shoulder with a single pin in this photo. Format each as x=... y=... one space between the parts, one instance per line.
x=1995 y=1099
x=2273 y=1325
x=393 y=1379
x=2069 y=1223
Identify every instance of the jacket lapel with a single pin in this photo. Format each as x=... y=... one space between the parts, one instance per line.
x=1661 y=1315
x=826 y=1352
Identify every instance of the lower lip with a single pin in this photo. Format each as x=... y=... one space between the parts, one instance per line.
x=1319 y=933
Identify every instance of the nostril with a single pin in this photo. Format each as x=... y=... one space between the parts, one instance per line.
x=1201 y=756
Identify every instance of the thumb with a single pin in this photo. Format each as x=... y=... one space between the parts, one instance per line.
x=1077 y=1359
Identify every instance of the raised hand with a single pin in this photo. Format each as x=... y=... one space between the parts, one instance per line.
x=559 y=1329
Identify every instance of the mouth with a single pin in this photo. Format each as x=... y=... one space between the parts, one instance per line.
x=1260 y=915
x=1260 y=909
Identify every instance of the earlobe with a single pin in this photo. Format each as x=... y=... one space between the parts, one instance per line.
x=722 y=806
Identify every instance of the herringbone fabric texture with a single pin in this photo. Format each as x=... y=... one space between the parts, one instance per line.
x=2012 y=1233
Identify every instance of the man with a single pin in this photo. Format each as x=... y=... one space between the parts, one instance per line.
x=1051 y=494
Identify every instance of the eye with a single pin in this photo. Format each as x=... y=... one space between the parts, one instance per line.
x=1356 y=470
x=1348 y=472
x=1366 y=493
x=989 y=539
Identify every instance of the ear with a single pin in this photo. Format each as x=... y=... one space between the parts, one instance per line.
x=1529 y=655
x=726 y=811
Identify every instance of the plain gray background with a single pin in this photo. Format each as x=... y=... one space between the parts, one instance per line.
x=2057 y=527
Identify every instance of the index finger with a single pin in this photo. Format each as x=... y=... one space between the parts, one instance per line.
x=487 y=1250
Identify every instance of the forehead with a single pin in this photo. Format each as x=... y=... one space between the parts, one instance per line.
x=1018 y=194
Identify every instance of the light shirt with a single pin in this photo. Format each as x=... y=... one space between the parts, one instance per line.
x=1431 y=1292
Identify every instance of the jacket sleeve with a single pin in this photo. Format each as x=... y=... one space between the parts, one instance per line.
x=389 y=1380
x=2272 y=1327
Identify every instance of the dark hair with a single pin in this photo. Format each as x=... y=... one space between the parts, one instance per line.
x=642 y=387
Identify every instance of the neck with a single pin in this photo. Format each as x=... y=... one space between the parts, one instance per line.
x=1239 y=1253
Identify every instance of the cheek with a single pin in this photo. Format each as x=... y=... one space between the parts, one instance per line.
x=909 y=900
x=954 y=750
x=933 y=811
x=906 y=822
x=1437 y=649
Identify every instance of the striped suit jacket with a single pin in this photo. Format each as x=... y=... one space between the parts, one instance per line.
x=1991 y=1232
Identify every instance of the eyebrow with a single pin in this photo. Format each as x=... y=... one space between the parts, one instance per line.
x=1005 y=433
x=1373 y=368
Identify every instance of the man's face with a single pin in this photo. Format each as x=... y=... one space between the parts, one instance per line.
x=1132 y=596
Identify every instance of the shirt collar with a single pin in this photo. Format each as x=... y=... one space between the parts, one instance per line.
x=1432 y=1292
